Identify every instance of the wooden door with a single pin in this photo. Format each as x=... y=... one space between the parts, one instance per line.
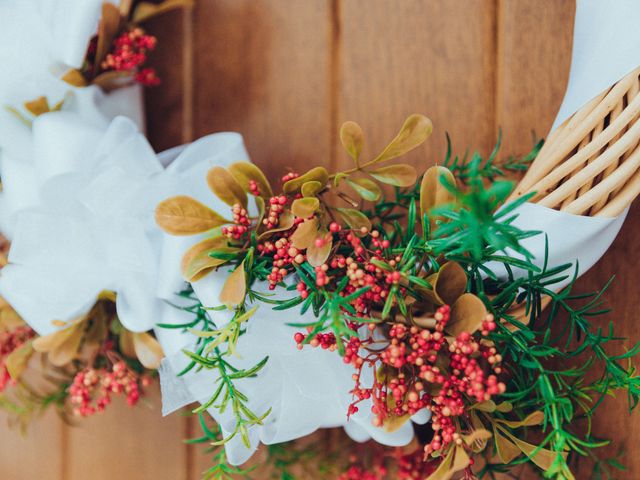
x=286 y=74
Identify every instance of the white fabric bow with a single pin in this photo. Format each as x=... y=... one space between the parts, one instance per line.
x=306 y=389
x=81 y=211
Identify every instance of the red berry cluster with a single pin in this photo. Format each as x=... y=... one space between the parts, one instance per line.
x=11 y=340
x=357 y=471
x=240 y=225
x=276 y=207
x=129 y=53
x=92 y=389
x=326 y=341
x=254 y=188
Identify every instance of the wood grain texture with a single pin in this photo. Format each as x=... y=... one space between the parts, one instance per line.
x=261 y=69
x=532 y=68
x=286 y=73
x=124 y=442
x=433 y=57
x=38 y=454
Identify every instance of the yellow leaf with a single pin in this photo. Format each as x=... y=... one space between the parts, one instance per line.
x=443 y=470
x=146 y=10
x=477 y=435
x=225 y=186
x=393 y=423
x=125 y=342
x=355 y=219
x=38 y=106
x=535 y=418
x=245 y=171
x=447 y=284
x=183 y=215
x=285 y=222
x=507 y=451
x=62 y=346
x=107 y=30
x=317 y=174
x=196 y=262
x=367 y=189
x=17 y=360
x=235 y=288
x=148 y=350
x=542 y=457
x=432 y=192
x=305 y=234
x=305 y=207
x=467 y=314
x=316 y=256
x=415 y=130
x=352 y=139
x=311 y=188
x=74 y=78
x=401 y=175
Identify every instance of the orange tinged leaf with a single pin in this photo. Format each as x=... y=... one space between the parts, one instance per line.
x=467 y=314
x=225 y=186
x=415 y=130
x=432 y=192
x=38 y=106
x=235 y=288
x=74 y=78
x=305 y=235
x=245 y=171
x=196 y=262
x=17 y=360
x=401 y=175
x=317 y=255
x=183 y=215
x=147 y=349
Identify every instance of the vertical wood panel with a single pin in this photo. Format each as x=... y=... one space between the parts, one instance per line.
x=434 y=57
x=124 y=442
x=261 y=69
x=39 y=454
x=534 y=55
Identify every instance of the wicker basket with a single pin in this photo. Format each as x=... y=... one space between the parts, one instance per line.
x=590 y=165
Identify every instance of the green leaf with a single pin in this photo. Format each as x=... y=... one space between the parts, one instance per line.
x=352 y=139
x=367 y=189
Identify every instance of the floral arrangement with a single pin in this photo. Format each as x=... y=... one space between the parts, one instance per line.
x=430 y=314
x=92 y=358
x=401 y=275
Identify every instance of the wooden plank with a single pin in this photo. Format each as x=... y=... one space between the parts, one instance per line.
x=124 y=442
x=38 y=454
x=432 y=57
x=261 y=69
x=534 y=56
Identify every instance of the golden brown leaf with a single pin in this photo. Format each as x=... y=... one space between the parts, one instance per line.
x=444 y=469
x=415 y=130
x=305 y=207
x=74 y=78
x=62 y=346
x=447 y=284
x=196 y=262
x=317 y=255
x=355 y=219
x=235 y=288
x=432 y=192
x=542 y=457
x=147 y=350
x=285 y=222
x=225 y=186
x=311 y=188
x=147 y=10
x=245 y=171
x=400 y=175
x=316 y=174
x=38 y=106
x=467 y=314
x=17 y=360
x=125 y=341
x=183 y=215
x=305 y=234
x=352 y=139
x=107 y=30
x=535 y=418
x=507 y=451
x=367 y=189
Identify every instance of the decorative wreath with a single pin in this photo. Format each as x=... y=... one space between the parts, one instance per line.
x=431 y=311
